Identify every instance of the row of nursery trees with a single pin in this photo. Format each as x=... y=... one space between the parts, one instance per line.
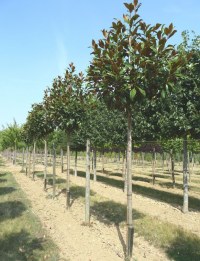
x=137 y=88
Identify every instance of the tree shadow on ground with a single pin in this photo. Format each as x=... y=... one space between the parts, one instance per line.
x=11 y=209
x=121 y=238
x=110 y=212
x=177 y=186
x=58 y=181
x=170 y=185
x=176 y=172
x=150 y=192
x=106 y=172
x=161 y=176
x=184 y=248
x=50 y=178
x=2 y=174
x=116 y=174
x=19 y=163
x=167 y=197
x=20 y=247
x=138 y=178
x=3 y=180
x=38 y=172
x=6 y=190
x=71 y=171
x=76 y=192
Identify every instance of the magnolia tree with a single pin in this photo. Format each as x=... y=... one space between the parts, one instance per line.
x=37 y=127
x=104 y=127
x=179 y=115
x=121 y=71
x=64 y=106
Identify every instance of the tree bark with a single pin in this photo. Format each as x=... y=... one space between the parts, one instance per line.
x=142 y=159
x=118 y=160
x=29 y=163
x=123 y=164
x=54 y=172
x=185 y=175
x=26 y=166
x=163 y=162
x=14 y=155
x=68 y=175
x=172 y=168
x=125 y=171
x=103 y=162
x=95 y=164
x=189 y=170
x=75 y=165
x=153 y=166
x=45 y=164
x=23 y=152
x=33 y=172
x=130 y=229
x=61 y=159
x=192 y=166
x=87 y=187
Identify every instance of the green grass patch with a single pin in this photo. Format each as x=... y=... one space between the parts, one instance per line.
x=22 y=237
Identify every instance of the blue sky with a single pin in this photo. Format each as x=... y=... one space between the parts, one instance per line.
x=39 y=38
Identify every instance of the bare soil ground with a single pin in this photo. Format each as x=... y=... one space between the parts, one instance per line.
x=101 y=241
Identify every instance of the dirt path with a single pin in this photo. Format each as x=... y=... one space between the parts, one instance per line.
x=99 y=242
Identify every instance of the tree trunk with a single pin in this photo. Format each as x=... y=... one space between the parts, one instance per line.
x=23 y=152
x=61 y=159
x=119 y=161
x=29 y=163
x=115 y=157
x=45 y=164
x=50 y=158
x=75 y=165
x=95 y=164
x=142 y=159
x=185 y=175
x=103 y=162
x=172 y=168
x=33 y=172
x=192 y=166
x=14 y=155
x=130 y=229
x=153 y=166
x=92 y=161
x=10 y=156
x=123 y=164
x=26 y=166
x=163 y=162
x=54 y=172
x=41 y=157
x=68 y=175
x=87 y=186
x=189 y=170
x=168 y=164
x=125 y=171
